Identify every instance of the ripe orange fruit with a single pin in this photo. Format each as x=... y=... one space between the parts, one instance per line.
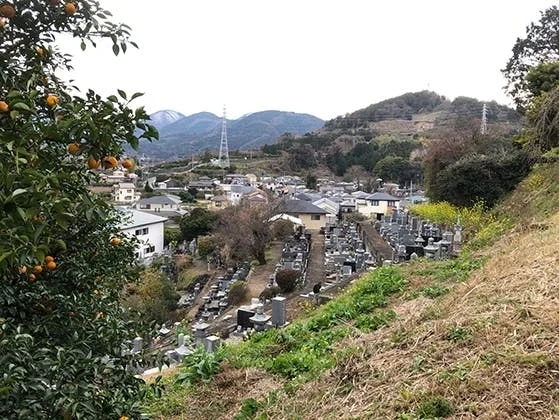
x=74 y=148
x=51 y=265
x=127 y=163
x=22 y=269
x=115 y=241
x=7 y=10
x=40 y=52
x=49 y=258
x=37 y=269
x=110 y=162
x=32 y=277
x=4 y=106
x=52 y=100
x=70 y=8
x=93 y=163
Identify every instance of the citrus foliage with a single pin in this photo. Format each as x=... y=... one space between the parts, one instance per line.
x=62 y=262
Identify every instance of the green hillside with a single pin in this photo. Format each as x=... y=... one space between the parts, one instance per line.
x=473 y=337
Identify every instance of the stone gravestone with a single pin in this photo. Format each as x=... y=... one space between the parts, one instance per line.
x=243 y=318
x=212 y=343
x=279 y=309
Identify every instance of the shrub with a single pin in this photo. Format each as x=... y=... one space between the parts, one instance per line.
x=269 y=293
x=282 y=229
x=200 y=366
x=237 y=292
x=206 y=245
x=435 y=407
x=287 y=279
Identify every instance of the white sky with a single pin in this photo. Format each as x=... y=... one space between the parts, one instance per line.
x=324 y=58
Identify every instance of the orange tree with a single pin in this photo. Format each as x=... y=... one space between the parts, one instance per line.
x=61 y=270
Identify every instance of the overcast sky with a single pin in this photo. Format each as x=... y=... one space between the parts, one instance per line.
x=324 y=58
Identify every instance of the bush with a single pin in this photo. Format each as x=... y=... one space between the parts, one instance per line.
x=206 y=245
x=435 y=407
x=282 y=229
x=237 y=292
x=287 y=280
x=269 y=293
x=154 y=298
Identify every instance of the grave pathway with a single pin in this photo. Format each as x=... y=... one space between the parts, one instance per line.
x=316 y=273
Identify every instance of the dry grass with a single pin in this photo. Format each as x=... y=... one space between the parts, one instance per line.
x=490 y=347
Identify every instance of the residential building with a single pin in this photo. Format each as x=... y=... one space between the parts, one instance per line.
x=147 y=228
x=331 y=208
x=313 y=217
x=159 y=203
x=374 y=205
x=125 y=193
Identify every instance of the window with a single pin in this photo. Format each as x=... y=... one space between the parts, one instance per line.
x=143 y=231
x=149 y=249
x=374 y=203
x=315 y=216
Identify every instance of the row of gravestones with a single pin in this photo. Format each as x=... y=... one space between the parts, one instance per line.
x=294 y=256
x=410 y=237
x=216 y=301
x=344 y=252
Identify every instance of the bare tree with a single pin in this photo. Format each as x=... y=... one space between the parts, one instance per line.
x=244 y=232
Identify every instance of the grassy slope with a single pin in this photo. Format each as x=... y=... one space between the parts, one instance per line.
x=472 y=338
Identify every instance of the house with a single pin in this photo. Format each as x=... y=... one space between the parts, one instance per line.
x=125 y=193
x=147 y=228
x=169 y=184
x=374 y=205
x=159 y=203
x=313 y=217
x=116 y=176
x=331 y=208
x=252 y=179
x=202 y=184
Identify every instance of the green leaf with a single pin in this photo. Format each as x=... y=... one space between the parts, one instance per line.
x=18 y=192
x=83 y=45
x=22 y=106
x=136 y=95
x=116 y=49
x=122 y=94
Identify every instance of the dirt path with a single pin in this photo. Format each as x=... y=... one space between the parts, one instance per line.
x=258 y=279
x=316 y=273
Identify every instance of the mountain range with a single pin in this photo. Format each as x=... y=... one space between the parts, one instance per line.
x=423 y=113
x=180 y=135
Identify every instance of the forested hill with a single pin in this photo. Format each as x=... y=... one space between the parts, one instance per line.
x=423 y=111
x=399 y=127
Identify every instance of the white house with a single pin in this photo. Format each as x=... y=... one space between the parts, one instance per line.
x=331 y=208
x=125 y=193
x=159 y=203
x=147 y=228
x=374 y=205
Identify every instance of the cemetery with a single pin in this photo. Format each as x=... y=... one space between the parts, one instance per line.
x=349 y=248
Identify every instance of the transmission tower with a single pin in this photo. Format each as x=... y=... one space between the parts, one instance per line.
x=223 y=160
x=483 y=128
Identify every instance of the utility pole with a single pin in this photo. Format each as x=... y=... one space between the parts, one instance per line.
x=223 y=159
x=483 y=128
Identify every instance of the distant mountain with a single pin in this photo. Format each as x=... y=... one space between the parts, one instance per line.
x=162 y=119
x=180 y=136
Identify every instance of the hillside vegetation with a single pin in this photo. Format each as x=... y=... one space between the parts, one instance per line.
x=473 y=337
